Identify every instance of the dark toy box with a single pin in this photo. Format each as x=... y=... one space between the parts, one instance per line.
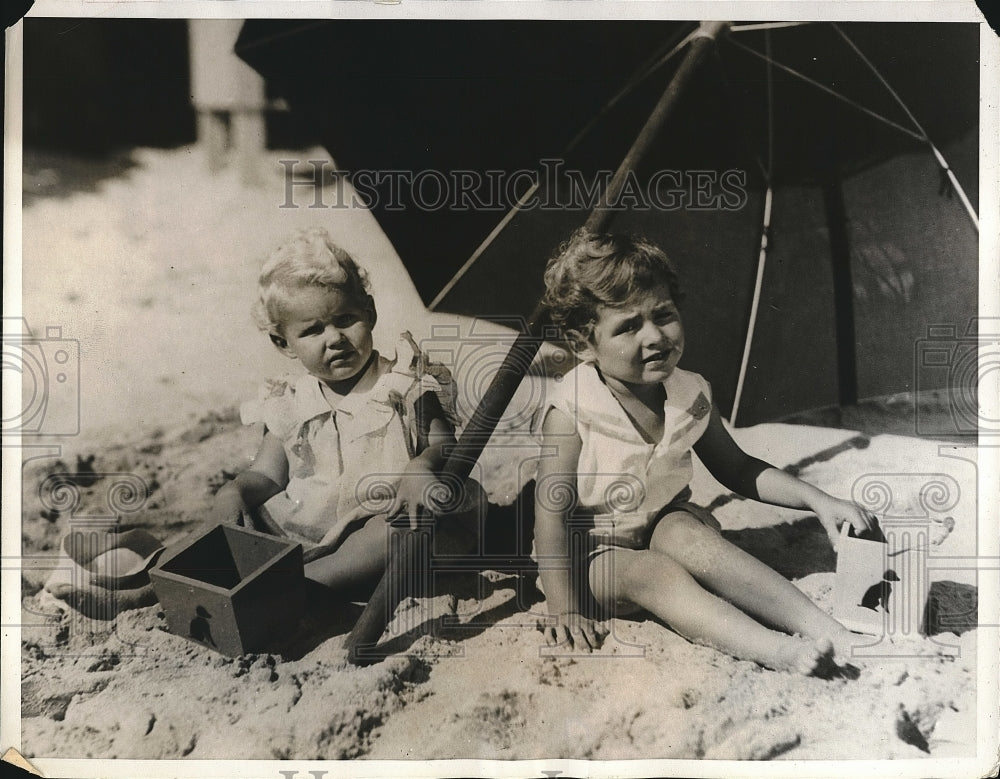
x=232 y=589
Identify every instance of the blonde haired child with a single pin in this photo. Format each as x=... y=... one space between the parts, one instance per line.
x=622 y=427
x=353 y=441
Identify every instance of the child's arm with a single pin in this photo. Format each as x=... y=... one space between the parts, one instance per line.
x=758 y=480
x=253 y=487
x=557 y=483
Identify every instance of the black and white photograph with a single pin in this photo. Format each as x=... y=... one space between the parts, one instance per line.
x=500 y=389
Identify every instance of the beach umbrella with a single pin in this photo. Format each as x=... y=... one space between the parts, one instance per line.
x=446 y=126
x=762 y=148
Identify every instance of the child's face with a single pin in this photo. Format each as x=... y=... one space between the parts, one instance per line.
x=639 y=342
x=327 y=331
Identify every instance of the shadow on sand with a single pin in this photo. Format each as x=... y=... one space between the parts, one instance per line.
x=53 y=174
x=505 y=550
x=795 y=550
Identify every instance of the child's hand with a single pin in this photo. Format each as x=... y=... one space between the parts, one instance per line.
x=580 y=633
x=420 y=486
x=833 y=512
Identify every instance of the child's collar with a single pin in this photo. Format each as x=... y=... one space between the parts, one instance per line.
x=660 y=401
x=677 y=387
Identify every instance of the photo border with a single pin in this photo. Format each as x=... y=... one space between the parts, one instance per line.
x=989 y=456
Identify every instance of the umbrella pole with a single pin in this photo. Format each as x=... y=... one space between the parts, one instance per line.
x=405 y=560
x=701 y=44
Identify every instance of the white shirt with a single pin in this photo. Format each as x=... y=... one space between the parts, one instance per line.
x=621 y=479
x=346 y=454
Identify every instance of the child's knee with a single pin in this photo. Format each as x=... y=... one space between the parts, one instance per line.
x=640 y=575
x=676 y=532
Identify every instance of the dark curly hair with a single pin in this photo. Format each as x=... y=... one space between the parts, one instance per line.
x=595 y=269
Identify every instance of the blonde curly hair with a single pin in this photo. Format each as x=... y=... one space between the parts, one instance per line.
x=309 y=258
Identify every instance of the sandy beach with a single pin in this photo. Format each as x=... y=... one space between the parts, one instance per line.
x=151 y=268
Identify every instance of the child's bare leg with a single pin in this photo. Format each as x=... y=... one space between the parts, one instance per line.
x=662 y=586
x=356 y=565
x=744 y=580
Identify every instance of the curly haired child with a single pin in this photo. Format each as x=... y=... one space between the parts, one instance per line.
x=621 y=429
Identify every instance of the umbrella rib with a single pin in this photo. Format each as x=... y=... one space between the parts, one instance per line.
x=483 y=247
x=647 y=69
x=926 y=138
x=765 y=240
x=766 y=26
x=755 y=303
x=832 y=92
x=882 y=79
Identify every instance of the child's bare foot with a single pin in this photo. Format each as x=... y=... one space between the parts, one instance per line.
x=807 y=657
x=844 y=642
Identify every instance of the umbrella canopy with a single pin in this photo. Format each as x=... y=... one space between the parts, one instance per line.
x=452 y=122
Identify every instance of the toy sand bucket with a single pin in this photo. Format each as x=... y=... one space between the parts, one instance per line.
x=881 y=584
x=232 y=589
